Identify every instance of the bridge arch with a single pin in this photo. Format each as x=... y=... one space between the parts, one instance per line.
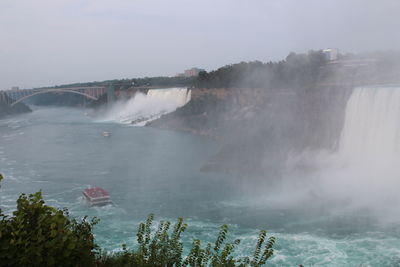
x=53 y=91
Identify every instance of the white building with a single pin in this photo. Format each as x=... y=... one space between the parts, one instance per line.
x=331 y=53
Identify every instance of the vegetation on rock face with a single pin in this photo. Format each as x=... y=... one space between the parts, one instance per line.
x=39 y=235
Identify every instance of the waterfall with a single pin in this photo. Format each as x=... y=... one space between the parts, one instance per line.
x=146 y=107
x=364 y=173
x=177 y=96
x=372 y=123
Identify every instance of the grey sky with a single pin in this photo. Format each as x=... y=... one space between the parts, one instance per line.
x=49 y=42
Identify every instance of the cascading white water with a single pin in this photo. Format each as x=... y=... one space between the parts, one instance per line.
x=146 y=107
x=178 y=96
x=364 y=174
x=365 y=170
x=372 y=123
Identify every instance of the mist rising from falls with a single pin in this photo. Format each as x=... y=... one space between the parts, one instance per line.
x=366 y=167
x=146 y=107
x=364 y=173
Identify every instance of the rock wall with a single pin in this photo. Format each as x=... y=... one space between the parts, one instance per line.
x=257 y=128
x=6 y=109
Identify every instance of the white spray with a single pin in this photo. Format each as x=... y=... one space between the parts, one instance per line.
x=364 y=174
x=146 y=107
x=366 y=169
x=372 y=124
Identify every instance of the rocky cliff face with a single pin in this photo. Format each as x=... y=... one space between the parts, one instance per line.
x=211 y=112
x=6 y=109
x=259 y=128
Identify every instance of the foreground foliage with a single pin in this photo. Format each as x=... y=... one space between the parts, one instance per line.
x=39 y=235
x=164 y=248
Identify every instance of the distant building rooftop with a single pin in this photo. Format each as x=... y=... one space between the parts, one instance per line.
x=331 y=53
x=190 y=72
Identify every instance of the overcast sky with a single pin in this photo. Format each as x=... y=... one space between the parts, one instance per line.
x=52 y=42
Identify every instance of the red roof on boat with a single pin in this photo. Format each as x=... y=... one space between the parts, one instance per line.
x=96 y=192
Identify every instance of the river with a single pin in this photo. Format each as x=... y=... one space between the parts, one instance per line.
x=62 y=151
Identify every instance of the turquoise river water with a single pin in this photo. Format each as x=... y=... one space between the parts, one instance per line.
x=62 y=151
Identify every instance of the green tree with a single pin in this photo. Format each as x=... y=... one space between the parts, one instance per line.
x=40 y=235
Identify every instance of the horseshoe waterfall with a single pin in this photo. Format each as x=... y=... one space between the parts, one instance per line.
x=372 y=123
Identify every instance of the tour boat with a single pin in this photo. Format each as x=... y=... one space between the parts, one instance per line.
x=97 y=196
x=106 y=134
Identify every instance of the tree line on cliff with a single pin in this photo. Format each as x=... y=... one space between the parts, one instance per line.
x=296 y=70
x=124 y=84
x=305 y=70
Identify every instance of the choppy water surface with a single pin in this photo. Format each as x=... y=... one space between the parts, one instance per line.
x=146 y=170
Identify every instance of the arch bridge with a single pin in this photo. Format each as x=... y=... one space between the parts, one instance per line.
x=16 y=96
